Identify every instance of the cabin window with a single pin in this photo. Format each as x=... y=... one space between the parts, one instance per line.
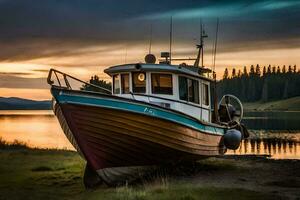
x=162 y=84
x=116 y=81
x=125 y=84
x=193 y=91
x=188 y=90
x=139 y=82
x=205 y=95
x=183 y=88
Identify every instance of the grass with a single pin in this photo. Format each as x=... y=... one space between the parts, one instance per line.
x=36 y=174
x=291 y=104
x=27 y=173
x=12 y=145
x=52 y=174
x=180 y=191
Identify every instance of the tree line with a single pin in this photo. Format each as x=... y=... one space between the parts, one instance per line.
x=95 y=80
x=261 y=84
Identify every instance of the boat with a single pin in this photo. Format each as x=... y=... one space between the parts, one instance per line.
x=155 y=113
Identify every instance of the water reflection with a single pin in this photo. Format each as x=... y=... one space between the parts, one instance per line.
x=273 y=147
x=41 y=129
x=36 y=128
x=276 y=120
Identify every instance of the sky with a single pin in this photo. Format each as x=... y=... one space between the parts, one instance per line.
x=83 y=37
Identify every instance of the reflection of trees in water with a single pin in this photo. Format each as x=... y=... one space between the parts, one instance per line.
x=269 y=146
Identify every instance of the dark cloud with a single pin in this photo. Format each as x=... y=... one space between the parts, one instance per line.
x=11 y=80
x=15 y=73
x=55 y=28
x=41 y=70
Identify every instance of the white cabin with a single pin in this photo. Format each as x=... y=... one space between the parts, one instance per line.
x=180 y=88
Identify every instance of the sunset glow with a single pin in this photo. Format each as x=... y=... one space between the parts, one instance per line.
x=249 y=34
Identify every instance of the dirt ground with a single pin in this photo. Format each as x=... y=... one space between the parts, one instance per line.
x=50 y=174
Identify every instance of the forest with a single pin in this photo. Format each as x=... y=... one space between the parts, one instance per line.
x=261 y=84
x=251 y=84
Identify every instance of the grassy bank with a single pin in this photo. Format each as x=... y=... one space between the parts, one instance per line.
x=292 y=104
x=54 y=174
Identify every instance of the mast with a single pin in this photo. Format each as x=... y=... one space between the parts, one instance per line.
x=200 y=46
x=150 y=42
x=216 y=113
x=171 y=38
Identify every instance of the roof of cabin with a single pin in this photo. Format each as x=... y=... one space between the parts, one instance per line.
x=136 y=67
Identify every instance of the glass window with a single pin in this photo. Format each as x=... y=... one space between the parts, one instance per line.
x=162 y=84
x=125 y=83
x=205 y=97
x=188 y=90
x=116 y=80
x=183 y=88
x=139 y=82
x=193 y=90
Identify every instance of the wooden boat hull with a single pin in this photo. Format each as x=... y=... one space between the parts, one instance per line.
x=108 y=137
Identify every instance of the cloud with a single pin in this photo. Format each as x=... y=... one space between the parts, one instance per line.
x=225 y=10
x=70 y=29
x=15 y=73
x=9 y=80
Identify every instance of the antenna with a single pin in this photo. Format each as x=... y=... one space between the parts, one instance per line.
x=200 y=46
x=125 y=59
x=171 y=38
x=215 y=47
x=150 y=44
x=215 y=75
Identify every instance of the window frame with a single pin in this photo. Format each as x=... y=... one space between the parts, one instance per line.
x=121 y=83
x=114 y=85
x=172 y=84
x=203 y=83
x=132 y=82
x=187 y=88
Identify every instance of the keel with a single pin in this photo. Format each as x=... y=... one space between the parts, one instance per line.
x=91 y=179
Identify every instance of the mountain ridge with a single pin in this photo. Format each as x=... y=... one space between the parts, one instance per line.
x=16 y=103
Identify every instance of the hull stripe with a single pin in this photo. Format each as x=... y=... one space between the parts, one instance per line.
x=138 y=108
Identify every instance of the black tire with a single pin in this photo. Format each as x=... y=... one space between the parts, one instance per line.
x=90 y=178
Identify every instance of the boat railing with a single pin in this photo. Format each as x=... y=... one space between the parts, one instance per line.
x=62 y=80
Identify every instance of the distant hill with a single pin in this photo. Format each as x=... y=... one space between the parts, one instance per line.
x=14 y=103
x=291 y=104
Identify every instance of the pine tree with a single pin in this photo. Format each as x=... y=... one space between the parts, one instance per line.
x=283 y=69
x=290 y=69
x=269 y=70
x=273 y=85
x=96 y=81
x=245 y=72
x=295 y=69
x=278 y=70
x=252 y=71
x=225 y=76
x=233 y=75
x=239 y=73
x=264 y=71
x=257 y=70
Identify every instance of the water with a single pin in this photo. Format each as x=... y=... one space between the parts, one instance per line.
x=37 y=128
x=279 y=120
x=41 y=129
x=276 y=148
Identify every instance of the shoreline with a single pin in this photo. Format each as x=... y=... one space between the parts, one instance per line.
x=291 y=104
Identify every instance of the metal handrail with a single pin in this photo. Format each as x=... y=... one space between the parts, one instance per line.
x=67 y=83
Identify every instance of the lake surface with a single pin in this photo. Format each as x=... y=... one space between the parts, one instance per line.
x=284 y=120
x=41 y=129
x=38 y=128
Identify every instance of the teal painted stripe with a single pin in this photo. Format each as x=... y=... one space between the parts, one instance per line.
x=138 y=108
